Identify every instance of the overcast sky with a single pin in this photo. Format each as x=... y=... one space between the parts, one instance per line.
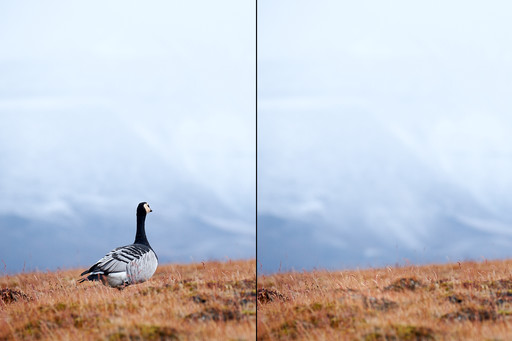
x=107 y=104
x=384 y=132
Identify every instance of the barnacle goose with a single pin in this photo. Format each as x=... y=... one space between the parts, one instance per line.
x=130 y=264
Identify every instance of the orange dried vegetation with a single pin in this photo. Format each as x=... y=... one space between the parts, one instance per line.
x=207 y=301
x=462 y=301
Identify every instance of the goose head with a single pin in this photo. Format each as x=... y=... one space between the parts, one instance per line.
x=143 y=208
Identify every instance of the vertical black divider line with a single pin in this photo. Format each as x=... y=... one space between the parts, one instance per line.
x=256 y=170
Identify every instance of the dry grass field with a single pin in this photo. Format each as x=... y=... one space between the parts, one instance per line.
x=206 y=301
x=461 y=301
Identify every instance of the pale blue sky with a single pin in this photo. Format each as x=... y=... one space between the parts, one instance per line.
x=106 y=104
x=384 y=132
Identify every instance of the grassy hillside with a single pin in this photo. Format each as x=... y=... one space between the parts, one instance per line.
x=462 y=301
x=207 y=301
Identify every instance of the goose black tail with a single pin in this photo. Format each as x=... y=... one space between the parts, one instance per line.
x=94 y=277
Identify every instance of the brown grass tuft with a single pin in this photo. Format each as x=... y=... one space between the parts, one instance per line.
x=9 y=295
x=404 y=284
x=266 y=295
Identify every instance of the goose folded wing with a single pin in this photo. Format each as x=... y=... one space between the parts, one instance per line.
x=117 y=259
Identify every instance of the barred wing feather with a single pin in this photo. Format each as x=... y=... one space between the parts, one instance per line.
x=133 y=263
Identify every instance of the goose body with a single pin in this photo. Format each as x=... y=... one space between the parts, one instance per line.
x=129 y=264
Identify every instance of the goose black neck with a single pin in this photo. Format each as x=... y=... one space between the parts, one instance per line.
x=140 y=237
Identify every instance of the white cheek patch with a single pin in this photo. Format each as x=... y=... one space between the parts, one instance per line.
x=146 y=206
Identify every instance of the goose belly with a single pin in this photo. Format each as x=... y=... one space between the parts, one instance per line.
x=141 y=269
x=116 y=279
